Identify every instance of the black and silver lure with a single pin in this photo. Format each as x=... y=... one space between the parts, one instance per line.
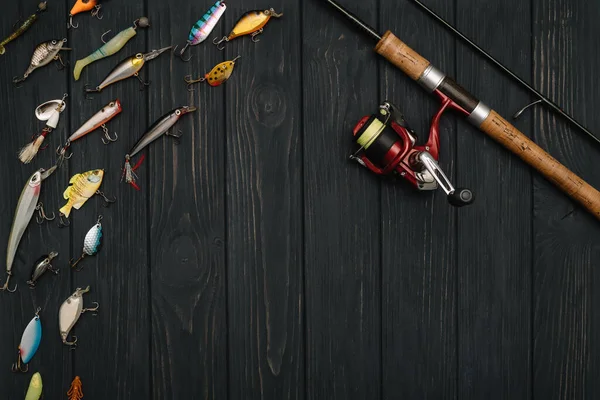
x=43 y=264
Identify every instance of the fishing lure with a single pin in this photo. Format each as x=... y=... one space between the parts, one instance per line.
x=111 y=47
x=252 y=23
x=128 y=68
x=75 y=392
x=159 y=128
x=30 y=342
x=43 y=264
x=204 y=27
x=216 y=77
x=35 y=387
x=70 y=312
x=81 y=188
x=49 y=111
x=43 y=54
x=27 y=205
x=99 y=120
x=24 y=27
x=82 y=6
x=91 y=243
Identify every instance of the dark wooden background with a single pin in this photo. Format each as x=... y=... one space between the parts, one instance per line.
x=258 y=262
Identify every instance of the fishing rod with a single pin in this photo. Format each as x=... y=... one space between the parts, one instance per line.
x=454 y=97
x=541 y=98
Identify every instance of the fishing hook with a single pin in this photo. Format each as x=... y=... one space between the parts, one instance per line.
x=255 y=34
x=41 y=217
x=70 y=23
x=5 y=286
x=218 y=43
x=17 y=81
x=63 y=221
x=104 y=34
x=107 y=201
x=59 y=60
x=74 y=264
x=16 y=24
x=175 y=137
x=61 y=153
x=96 y=12
x=73 y=344
x=142 y=83
x=88 y=91
x=180 y=55
x=188 y=79
x=18 y=366
x=108 y=140
x=92 y=309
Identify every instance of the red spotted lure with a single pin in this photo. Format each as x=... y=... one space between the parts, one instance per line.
x=159 y=128
x=204 y=27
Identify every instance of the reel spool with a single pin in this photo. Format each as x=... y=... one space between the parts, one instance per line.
x=388 y=147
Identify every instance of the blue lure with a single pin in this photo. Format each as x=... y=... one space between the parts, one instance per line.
x=204 y=26
x=30 y=342
x=91 y=243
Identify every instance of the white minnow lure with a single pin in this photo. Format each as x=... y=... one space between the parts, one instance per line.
x=30 y=342
x=204 y=27
x=35 y=387
x=69 y=314
x=91 y=243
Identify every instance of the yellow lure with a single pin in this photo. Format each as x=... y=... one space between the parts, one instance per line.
x=35 y=387
x=251 y=23
x=81 y=188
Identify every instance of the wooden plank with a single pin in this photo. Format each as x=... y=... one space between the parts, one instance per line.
x=264 y=208
x=565 y=325
x=342 y=208
x=19 y=124
x=184 y=186
x=419 y=231
x=494 y=235
x=112 y=358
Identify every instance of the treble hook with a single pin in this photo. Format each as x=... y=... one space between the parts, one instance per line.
x=61 y=153
x=41 y=217
x=104 y=34
x=18 y=366
x=176 y=137
x=70 y=23
x=73 y=344
x=107 y=201
x=17 y=81
x=188 y=79
x=142 y=83
x=108 y=140
x=180 y=55
x=521 y=111
x=59 y=60
x=5 y=286
x=218 y=43
x=255 y=34
x=96 y=12
x=92 y=309
x=74 y=264
x=88 y=91
x=63 y=221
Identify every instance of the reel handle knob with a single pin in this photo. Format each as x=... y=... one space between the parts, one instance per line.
x=461 y=197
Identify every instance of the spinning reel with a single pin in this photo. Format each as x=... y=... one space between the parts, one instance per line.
x=388 y=147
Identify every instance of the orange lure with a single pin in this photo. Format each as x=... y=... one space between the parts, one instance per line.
x=75 y=393
x=83 y=6
x=251 y=23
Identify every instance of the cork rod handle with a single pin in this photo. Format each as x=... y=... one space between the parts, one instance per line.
x=413 y=65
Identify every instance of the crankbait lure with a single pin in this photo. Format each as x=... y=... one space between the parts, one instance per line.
x=128 y=68
x=159 y=128
x=43 y=54
x=81 y=188
x=91 y=243
x=216 y=77
x=49 y=111
x=204 y=27
x=24 y=27
x=252 y=23
x=75 y=392
x=99 y=120
x=70 y=312
x=30 y=342
x=43 y=264
x=35 y=387
x=27 y=205
x=82 y=6
x=111 y=47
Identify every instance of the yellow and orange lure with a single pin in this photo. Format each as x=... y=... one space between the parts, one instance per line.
x=83 y=6
x=252 y=23
x=216 y=77
x=75 y=392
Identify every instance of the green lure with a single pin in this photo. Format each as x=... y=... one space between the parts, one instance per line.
x=35 y=387
x=111 y=47
x=24 y=26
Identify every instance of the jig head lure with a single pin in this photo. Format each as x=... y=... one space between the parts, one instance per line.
x=43 y=54
x=83 y=6
x=111 y=47
x=27 y=205
x=91 y=243
x=204 y=27
x=34 y=392
x=76 y=391
x=388 y=147
x=24 y=26
x=252 y=23
x=49 y=111
x=70 y=312
x=216 y=77
x=99 y=120
x=128 y=68
x=159 y=128
x=82 y=187
x=43 y=264
x=30 y=342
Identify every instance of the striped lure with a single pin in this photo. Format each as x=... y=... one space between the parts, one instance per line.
x=204 y=26
x=30 y=341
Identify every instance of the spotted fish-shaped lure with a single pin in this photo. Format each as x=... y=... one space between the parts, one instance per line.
x=204 y=26
x=91 y=243
x=217 y=76
x=30 y=342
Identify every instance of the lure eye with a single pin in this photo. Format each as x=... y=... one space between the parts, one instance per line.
x=112 y=104
x=178 y=112
x=54 y=42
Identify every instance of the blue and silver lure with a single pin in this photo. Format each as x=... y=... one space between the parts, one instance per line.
x=204 y=26
x=30 y=341
x=91 y=243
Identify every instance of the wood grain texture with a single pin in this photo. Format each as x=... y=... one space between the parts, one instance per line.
x=264 y=208
x=184 y=186
x=494 y=242
x=565 y=323
x=342 y=239
x=419 y=233
x=398 y=53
